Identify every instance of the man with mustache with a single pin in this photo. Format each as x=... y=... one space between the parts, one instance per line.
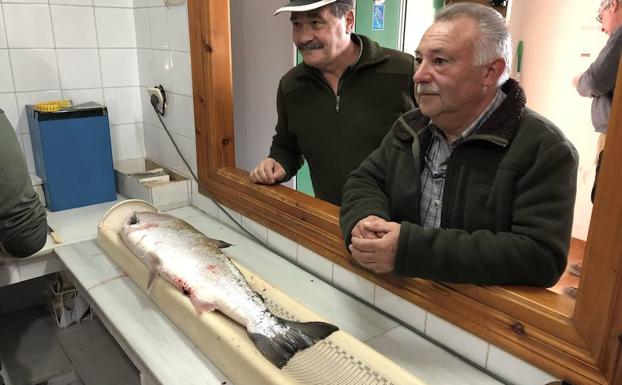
x=335 y=107
x=472 y=186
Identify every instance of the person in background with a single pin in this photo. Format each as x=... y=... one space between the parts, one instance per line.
x=599 y=81
x=335 y=107
x=23 y=224
x=472 y=186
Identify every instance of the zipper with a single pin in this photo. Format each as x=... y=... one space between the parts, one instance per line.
x=337 y=105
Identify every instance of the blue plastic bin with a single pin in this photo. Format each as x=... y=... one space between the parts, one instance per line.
x=73 y=156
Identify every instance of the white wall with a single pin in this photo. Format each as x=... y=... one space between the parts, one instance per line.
x=551 y=58
x=419 y=16
x=262 y=52
x=76 y=49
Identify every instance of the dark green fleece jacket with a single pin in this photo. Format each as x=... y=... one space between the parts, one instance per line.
x=335 y=132
x=23 y=225
x=508 y=199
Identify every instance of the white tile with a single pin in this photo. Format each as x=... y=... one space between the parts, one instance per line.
x=156 y=3
x=82 y=96
x=353 y=284
x=167 y=153
x=72 y=2
x=26 y=1
x=258 y=230
x=38 y=268
x=182 y=73
x=115 y=27
x=8 y=103
x=6 y=75
x=178 y=29
x=151 y=141
x=79 y=68
x=162 y=68
x=398 y=307
x=3 y=42
x=432 y=364
x=28 y=26
x=188 y=150
x=34 y=69
x=149 y=115
x=90 y=268
x=514 y=370
x=205 y=204
x=159 y=32
x=9 y=274
x=24 y=98
x=456 y=339
x=185 y=212
x=124 y=105
x=114 y=3
x=143 y=28
x=315 y=263
x=145 y=70
x=119 y=67
x=80 y=32
x=225 y=219
x=127 y=141
x=28 y=154
x=282 y=246
x=141 y=3
x=181 y=109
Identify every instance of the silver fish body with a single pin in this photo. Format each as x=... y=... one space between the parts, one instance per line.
x=195 y=264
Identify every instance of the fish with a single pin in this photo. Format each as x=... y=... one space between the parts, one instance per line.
x=196 y=265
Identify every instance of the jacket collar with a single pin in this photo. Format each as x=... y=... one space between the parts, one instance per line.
x=499 y=128
x=371 y=54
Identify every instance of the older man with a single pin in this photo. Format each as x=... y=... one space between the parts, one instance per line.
x=335 y=107
x=472 y=186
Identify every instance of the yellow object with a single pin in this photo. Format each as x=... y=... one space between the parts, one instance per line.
x=53 y=105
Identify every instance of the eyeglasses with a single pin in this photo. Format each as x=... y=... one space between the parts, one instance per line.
x=599 y=18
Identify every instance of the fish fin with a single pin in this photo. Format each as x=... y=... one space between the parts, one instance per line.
x=219 y=243
x=153 y=274
x=300 y=335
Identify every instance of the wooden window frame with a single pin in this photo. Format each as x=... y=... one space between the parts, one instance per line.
x=578 y=341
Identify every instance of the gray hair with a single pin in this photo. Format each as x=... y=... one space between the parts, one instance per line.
x=494 y=41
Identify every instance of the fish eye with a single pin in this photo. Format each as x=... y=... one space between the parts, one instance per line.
x=133 y=219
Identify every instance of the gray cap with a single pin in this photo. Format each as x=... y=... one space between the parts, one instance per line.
x=303 y=5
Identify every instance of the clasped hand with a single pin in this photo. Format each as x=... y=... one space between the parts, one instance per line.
x=374 y=243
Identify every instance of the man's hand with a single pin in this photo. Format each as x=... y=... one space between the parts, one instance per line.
x=268 y=171
x=359 y=231
x=376 y=254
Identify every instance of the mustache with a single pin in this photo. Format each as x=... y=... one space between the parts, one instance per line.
x=311 y=45
x=427 y=88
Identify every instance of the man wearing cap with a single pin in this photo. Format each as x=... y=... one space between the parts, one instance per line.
x=599 y=80
x=335 y=107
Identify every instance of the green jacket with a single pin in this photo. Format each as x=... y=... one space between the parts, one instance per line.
x=508 y=199
x=23 y=225
x=334 y=133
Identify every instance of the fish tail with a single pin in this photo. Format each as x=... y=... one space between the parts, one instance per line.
x=299 y=336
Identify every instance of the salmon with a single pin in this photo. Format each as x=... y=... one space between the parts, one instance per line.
x=195 y=264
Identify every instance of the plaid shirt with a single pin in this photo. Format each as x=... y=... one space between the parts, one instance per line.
x=436 y=156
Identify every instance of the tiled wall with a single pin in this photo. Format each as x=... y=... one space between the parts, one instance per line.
x=473 y=348
x=84 y=50
x=163 y=45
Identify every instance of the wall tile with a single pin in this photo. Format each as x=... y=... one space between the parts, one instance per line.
x=28 y=26
x=514 y=370
x=72 y=2
x=114 y=59
x=168 y=154
x=149 y=115
x=6 y=74
x=24 y=98
x=115 y=27
x=283 y=246
x=352 y=283
x=25 y=1
x=178 y=29
x=74 y=27
x=34 y=69
x=315 y=263
x=151 y=141
x=224 y=218
x=127 y=141
x=82 y=96
x=162 y=68
x=79 y=68
x=182 y=112
x=456 y=339
x=8 y=103
x=188 y=150
x=124 y=106
x=143 y=28
x=411 y=314
x=114 y=3
x=156 y=3
x=141 y=3
x=257 y=229
x=182 y=73
x=159 y=28
x=3 y=42
x=145 y=64
x=203 y=203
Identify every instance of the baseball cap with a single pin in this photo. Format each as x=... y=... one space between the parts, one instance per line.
x=303 y=5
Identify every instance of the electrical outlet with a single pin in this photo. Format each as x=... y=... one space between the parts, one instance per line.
x=156 y=91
